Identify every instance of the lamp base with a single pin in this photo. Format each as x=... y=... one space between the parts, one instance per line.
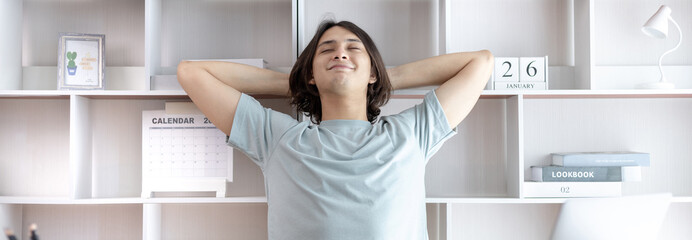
x=656 y=85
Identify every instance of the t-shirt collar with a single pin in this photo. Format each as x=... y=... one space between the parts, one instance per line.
x=344 y=123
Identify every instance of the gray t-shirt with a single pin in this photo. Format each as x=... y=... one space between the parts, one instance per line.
x=343 y=179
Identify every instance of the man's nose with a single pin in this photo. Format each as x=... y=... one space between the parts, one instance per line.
x=341 y=54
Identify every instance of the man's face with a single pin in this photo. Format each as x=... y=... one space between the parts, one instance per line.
x=341 y=64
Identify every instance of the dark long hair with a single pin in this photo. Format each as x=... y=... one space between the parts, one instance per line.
x=306 y=98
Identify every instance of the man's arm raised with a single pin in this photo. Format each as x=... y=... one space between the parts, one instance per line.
x=461 y=76
x=215 y=87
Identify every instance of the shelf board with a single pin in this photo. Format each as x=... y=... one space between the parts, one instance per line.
x=619 y=93
x=408 y=93
x=66 y=200
x=503 y=200
x=567 y=93
x=475 y=200
x=51 y=94
x=115 y=94
x=523 y=200
x=261 y=199
x=132 y=94
x=206 y=200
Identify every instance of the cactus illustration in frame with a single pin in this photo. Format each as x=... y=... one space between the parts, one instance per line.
x=71 y=66
x=83 y=51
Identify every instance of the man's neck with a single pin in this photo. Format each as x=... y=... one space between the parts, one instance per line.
x=346 y=108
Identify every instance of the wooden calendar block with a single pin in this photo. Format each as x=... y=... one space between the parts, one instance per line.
x=523 y=73
x=532 y=69
x=506 y=69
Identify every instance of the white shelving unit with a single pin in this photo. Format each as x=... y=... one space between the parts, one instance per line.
x=71 y=160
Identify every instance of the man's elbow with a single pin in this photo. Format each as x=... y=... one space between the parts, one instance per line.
x=185 y=72
x=488 y=60
x=487 y=56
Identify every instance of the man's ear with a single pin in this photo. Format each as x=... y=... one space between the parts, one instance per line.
x=372 y=80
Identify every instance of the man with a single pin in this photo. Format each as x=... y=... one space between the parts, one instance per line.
x=349 y=175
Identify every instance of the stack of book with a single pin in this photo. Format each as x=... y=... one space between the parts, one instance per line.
x=586 y=174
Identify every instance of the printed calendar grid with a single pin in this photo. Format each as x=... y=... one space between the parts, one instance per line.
x=186 y=152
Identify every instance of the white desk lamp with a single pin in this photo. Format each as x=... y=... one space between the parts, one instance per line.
x=657 y=27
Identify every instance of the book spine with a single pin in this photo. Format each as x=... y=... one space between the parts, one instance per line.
x=576 y=174
x=571 y=189
x=601 y=160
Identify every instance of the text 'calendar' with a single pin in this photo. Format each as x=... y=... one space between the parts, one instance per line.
x=183 y=153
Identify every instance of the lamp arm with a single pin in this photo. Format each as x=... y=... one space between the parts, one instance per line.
x=660 y=60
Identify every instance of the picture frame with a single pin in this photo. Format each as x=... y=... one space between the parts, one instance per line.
x=81 y=61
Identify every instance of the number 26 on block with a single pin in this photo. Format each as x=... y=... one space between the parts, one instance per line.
x=522 y=69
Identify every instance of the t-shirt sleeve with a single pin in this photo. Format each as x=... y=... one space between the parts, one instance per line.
x=428 y=123
x=256 y=129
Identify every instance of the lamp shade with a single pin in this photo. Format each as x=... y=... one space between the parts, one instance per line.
x=657 y=25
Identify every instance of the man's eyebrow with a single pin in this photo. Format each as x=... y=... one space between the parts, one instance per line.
x=326 y=42
x=333 y=41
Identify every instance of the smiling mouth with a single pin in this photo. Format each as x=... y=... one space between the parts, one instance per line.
x=339 y=66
